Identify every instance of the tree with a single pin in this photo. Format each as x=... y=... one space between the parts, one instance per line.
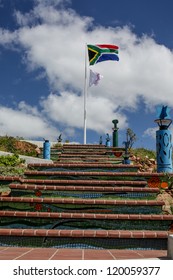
x=131 y=137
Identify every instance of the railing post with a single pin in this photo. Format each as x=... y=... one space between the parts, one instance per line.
x=46 y=149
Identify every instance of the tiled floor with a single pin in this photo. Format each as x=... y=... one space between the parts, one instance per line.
x=22 y=253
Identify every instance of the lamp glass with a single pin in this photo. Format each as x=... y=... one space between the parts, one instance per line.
x=163 y=122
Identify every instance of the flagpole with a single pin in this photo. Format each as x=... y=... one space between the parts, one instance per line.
x=85 y=94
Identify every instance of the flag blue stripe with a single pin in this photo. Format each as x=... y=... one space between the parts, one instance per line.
x=107 y=56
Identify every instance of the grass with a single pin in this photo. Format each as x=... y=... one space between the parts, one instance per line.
x=142 y=153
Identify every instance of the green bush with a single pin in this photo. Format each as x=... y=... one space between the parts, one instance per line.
x=10 y=160
x=7 y=143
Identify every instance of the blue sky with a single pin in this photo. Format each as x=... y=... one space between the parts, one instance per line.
x=42 y=62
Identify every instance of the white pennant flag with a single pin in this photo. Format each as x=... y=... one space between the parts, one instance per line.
x=94 y=78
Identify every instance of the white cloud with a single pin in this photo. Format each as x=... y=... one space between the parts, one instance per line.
x=53 y=39
x=25 y=124
x=151 y=132
x=67 y=109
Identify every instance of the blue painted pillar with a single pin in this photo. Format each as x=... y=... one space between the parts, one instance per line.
x=164 y=141
x=164 y=150
x=46 y=149
x=108 y=141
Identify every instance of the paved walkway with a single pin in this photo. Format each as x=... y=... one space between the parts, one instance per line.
x=23 y=253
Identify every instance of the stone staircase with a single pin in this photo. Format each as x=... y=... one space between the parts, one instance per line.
x=85 y=199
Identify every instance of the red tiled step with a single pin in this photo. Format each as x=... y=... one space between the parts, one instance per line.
x=78 y=155
x=83 y=188
x=90 y=159
x=85 y=146
x=95 y=173
x=83 y=165
x=86 y=216
x=84 y=233
x=91 y=146
x=84 y=201
x=90 y=153
x=83 y=182
x=9 y=178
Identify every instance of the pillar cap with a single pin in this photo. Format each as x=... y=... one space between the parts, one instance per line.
x=115 y=121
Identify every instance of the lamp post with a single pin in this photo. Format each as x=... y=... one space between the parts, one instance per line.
x=108 y=140
x=46 y=149
x=164 y=142
x=115 y=134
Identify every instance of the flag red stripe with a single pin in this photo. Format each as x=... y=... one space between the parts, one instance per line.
x=108 y=46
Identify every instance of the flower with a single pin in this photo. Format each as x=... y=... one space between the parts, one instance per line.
x=164 y=185
x=38 y=193
x=38 y=207
x=154 y=182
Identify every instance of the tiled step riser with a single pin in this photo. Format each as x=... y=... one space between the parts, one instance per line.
x=85 y=243
x=89 y=160
x=83 y=167
x=19 y=219
x=116 y=173
x=33 y=223
x=80 y=208
x=84 y=194
x=89 y=176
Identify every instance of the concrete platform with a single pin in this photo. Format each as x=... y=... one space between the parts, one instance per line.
x=28 y=160
x=170 y=246
x=23 y=253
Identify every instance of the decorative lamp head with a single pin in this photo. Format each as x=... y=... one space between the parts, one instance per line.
x=115 y=122
x=163 y=119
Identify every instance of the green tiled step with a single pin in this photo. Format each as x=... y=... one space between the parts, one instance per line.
x=118 y=239
x=83 y=191
x=43 y=220
x=120 y=206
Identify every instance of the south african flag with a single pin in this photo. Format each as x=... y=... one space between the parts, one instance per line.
x=103 y=52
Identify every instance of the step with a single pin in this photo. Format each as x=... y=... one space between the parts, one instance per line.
x=89 y=153
x=94 y=173
x=83 y=188
x=84 y=182
x=83 y=165
x=9 y=178
x=79 y=155
x=83 y=220
x=91 y=146
x=53 y=215
x=88 y=239
x=83 y=201
x=85 y=233
x=84 y=153
x=89 y=159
